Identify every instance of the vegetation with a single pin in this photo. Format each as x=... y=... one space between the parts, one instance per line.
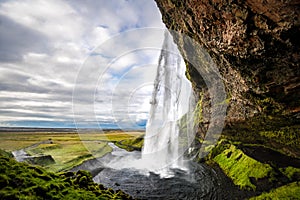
x=276 y=132
x=132 y=144
x=67 y=149
x=259 y=174
x=22 y=181
x=69 y=154
x=289 y=191
x=241 y=168
x=291 y=173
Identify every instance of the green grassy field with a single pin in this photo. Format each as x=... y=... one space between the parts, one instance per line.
x=68 y=149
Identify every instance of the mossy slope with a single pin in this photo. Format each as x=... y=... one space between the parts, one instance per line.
x=271 y=180
x=289 y=191
x=22 y=181
x=242 y=168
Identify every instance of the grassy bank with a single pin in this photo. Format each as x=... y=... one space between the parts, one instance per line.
x=131 y=144
x=22 y=181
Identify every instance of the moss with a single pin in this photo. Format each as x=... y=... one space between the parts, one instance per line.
x=289 y=191
x=198 y=113
x=291 y=172
x=273 y=131
x=288 y=135
x=242 y=168
x=218 y=149
x=6 y=154
x=268 y=105
x=22 y=181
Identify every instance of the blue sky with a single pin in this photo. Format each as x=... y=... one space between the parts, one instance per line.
x=47 y=48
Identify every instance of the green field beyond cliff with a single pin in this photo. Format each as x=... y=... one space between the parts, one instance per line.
x=67 y=149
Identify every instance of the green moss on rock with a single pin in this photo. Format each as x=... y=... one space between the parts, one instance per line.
x=242 y=168
x=291 y=173
x=22 y=181
x=273 y=131
x=289 y=191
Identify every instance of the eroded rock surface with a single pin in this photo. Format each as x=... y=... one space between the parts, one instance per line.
x=254 y=44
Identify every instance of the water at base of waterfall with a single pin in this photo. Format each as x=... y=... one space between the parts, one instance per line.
x=200 y=182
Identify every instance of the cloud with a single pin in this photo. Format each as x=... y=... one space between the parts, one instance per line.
x=45 y=45
x=17 y=39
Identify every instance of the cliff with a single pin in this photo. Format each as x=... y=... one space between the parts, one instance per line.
x=254 y=44
x=253 y=47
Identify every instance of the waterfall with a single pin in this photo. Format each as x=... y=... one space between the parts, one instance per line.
x=165 y=139
x=170 y=126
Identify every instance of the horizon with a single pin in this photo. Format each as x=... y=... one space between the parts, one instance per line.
x=47 y=45
x=70 y=125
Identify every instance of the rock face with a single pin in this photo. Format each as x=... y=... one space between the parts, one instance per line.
x=255 y=46
x=254 y=43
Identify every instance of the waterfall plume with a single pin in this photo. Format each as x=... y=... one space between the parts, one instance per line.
x=170 y=125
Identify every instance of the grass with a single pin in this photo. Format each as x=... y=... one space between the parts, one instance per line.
x=286 y=192
x=22 y=181
x=70 y=154
x=241 y=168
x=67 y=149
x=132 y=144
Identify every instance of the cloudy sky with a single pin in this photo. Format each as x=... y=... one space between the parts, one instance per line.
x=88 y=61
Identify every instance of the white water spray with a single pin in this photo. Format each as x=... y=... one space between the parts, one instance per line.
x=169 y=131
x=165 y=140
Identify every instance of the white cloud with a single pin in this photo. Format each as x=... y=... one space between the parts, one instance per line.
x=45 y=43
x=53 y=18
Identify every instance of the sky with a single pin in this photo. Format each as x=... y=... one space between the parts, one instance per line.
x=84 y=63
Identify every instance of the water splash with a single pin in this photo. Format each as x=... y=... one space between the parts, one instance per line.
x=169 y=131
x=169 y=128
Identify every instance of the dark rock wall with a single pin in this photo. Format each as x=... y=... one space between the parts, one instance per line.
x=255 y=44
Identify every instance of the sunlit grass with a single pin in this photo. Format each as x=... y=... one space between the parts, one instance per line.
x=67 y=149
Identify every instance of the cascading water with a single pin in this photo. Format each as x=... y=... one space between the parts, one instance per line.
x=166 y=139
x=169 y=134
x=169 y=131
